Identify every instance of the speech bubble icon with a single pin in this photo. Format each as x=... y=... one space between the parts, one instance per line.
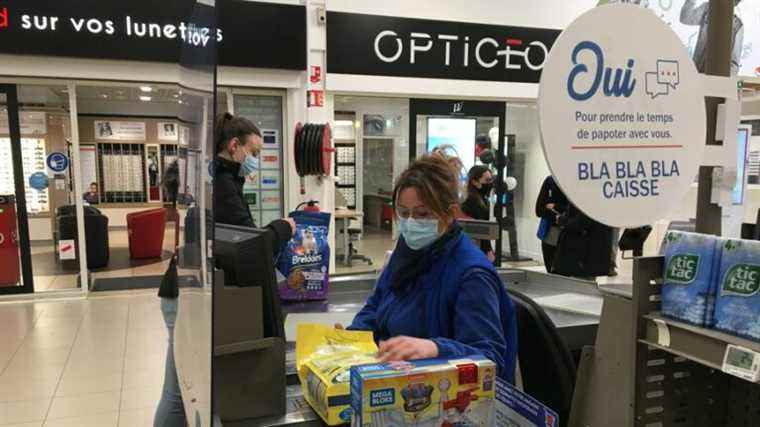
x=653 y=86
x=667 y=73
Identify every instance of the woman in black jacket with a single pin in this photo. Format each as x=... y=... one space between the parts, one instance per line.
x=551 y=203
x=584 y=245
x=238 y=144
x=477 y=206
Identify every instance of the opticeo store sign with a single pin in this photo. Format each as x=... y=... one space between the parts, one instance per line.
x=157 y=31
x=401 y=47
x=622 y=115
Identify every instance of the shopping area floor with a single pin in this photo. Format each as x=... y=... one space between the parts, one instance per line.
x=82 y=363
x=49 y=275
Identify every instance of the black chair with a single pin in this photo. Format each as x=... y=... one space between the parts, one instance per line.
x=353 y=254
x=546 y=365
x=95 y=230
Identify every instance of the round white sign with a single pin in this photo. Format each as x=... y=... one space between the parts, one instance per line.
x=622 y=115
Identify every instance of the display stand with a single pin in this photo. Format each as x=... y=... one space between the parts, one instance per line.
x=678 y=376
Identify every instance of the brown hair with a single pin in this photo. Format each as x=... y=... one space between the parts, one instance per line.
x=436 y=183
x=228 y=126
x=476 y=172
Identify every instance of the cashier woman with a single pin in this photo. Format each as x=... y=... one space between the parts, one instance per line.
x=238 y=143
x=439 y=295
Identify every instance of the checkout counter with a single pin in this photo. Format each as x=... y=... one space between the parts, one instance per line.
x=574 y=306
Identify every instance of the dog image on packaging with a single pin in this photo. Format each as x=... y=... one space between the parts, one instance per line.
x=691 y=264
x=324 y=356
x=424 y=393
x=737 y=309
x=305 y=259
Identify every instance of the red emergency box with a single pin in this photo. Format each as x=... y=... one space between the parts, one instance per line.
x=146 y=233
x=10 y=271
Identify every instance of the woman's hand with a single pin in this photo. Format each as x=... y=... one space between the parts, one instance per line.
x=550 y=207
x=491 y=256
x=406 y=348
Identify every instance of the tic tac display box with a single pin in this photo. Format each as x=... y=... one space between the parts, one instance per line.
x=424 y=393
x=691 y=265
x=737 y=309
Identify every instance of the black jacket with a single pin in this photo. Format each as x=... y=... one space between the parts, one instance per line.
x=550 y=193
x=476 y=207
x=584 y=246
x=230 y=207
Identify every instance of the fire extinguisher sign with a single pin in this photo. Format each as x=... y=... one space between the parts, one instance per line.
x=67 y=250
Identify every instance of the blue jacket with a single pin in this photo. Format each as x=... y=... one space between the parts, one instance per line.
x=459 y=302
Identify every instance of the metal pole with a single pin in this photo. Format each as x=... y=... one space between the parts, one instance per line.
x=76 y=168
x=717 y=63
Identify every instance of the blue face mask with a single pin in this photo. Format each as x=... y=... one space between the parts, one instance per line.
x=249 y=166
x=418 y=233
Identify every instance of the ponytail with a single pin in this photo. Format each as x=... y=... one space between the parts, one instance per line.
x=228 y=127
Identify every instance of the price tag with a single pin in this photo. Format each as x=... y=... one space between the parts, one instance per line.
x=663 y=333
x=742 y=362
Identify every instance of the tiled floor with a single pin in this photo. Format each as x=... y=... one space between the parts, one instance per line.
x=118 y=243
x=95 y=362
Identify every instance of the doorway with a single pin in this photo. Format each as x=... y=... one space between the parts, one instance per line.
x=15 y=253
x=372 y=149
x=35 y=183
x=464 y=129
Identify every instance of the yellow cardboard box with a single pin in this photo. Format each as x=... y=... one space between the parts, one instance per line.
x=424 y=393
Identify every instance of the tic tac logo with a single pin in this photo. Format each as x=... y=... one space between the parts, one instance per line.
x=514 y=54
x=3 y=18
x=742 y=280
x=615 y=82
x=682 y=269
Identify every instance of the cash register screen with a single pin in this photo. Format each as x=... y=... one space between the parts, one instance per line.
x=246 y=256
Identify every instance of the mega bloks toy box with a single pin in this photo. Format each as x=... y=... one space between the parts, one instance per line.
x=424 y=393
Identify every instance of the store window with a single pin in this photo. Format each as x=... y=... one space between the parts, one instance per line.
x=49 y=230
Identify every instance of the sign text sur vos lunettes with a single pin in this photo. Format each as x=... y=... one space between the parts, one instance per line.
x=187 y=32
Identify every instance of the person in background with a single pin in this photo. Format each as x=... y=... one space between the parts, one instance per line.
x=238 y=143
x=584 y=246
x=439 y=296
x=476 y=205
x=691 y=14
x=551 y=203
x=92 y=197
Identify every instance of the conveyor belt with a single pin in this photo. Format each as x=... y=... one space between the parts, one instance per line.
x=348 y=294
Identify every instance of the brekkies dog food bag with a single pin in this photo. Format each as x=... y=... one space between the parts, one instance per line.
x=305 y=259
x=688 y=290
x=737 y=309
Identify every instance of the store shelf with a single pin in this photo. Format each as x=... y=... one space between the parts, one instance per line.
x=678 y=377
x=704 y=346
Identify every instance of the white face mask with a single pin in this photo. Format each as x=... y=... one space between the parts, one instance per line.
x=418 y=233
